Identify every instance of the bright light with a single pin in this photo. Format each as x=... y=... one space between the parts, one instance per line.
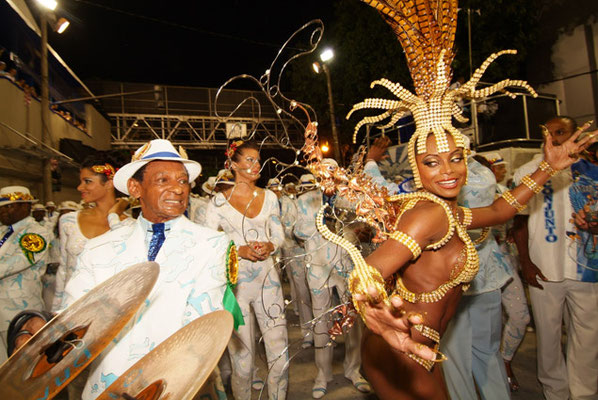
x=316 y=67
x=49 y=4
x=61 y=25
x=326 y=55
x=324 y=147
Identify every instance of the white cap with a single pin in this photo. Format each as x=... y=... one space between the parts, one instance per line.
x=158 y=149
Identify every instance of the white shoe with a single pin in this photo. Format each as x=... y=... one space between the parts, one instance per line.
x=319 y=390
x=257 y=384
x=360 y=383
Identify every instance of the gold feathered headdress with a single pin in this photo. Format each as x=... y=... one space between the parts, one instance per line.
x=426 y=31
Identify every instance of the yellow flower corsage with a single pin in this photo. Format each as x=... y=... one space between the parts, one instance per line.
x=31 y=244
x=232 y=263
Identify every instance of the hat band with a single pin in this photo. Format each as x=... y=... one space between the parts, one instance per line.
x=162 y=154
x=16 y=196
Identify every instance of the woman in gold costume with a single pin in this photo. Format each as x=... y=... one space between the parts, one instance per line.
x=408 y=289
x=430 y=260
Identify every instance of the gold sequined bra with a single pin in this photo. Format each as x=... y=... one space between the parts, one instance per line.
x=467 y=264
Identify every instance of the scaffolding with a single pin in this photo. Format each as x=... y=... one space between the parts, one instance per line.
x=190 y=116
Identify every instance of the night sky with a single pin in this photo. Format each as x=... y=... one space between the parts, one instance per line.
x=196 y=43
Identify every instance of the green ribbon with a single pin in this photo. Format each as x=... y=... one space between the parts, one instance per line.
x=232 y=306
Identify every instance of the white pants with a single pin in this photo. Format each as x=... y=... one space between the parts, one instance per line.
x=262 y=294
x=322 y=278
x=472 y=346
x=578 y=376
x=295 y=267
x=514 y=305
x=3 y=347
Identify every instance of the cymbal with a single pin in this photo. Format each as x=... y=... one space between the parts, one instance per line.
x=59 y=351
x=180 y=365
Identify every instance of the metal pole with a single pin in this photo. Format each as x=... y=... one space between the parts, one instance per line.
x=469 y=39
x=525 y=116
x=337 y=147
x=45 y=104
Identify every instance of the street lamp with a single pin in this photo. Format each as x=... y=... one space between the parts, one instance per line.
x=326 y=56
x=60 y=26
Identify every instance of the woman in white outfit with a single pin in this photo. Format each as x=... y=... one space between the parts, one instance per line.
x=251 y=217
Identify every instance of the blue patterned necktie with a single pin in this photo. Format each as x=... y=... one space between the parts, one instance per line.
x=7 y=235
x=156 y=242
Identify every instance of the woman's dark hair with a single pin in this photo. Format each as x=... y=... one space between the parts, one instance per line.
x=101 y=158
x=246 y=145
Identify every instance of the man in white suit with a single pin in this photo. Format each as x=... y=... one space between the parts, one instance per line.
x=24 y=248
x=192 y=259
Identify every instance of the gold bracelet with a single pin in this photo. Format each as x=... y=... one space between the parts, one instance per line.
x=408 y=242
x=544 y=166
x=509 y=198
x=467 y=216
x=531 y=184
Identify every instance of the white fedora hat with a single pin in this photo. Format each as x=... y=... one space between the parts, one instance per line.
x=38 y=207
x=158 y=149
x=329 y=161
x=273 y=183
x=307 y=181
x=69 y=205
x=495 y=159
x=15 y=194
x=224 y=177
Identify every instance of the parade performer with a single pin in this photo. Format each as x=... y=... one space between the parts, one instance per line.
x=559 y=261
x=293 y=257
x=76 y=228
x=429 y=257
x=24 y=249
x=251 y=217
x=193 y=261
x=327 y=265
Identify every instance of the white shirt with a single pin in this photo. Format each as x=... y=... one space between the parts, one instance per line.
x=549 y=215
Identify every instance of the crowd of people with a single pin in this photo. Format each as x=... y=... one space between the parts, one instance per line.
x=50 y=256
x=24 y=81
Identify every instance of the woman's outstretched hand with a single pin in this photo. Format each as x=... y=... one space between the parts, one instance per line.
x=560 y=157
x=393 y=323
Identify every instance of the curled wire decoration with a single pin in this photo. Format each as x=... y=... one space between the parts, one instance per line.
x=271 y=96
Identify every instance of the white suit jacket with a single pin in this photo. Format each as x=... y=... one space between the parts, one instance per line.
x=20 y=277
x=191 y=283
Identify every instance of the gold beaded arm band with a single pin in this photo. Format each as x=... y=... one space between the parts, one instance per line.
x=509 y=198
x=544 y=166
x=531 y=184
x=467 y=216
x=408 y=242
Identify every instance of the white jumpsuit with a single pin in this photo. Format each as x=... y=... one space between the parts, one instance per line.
x=258 y=288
